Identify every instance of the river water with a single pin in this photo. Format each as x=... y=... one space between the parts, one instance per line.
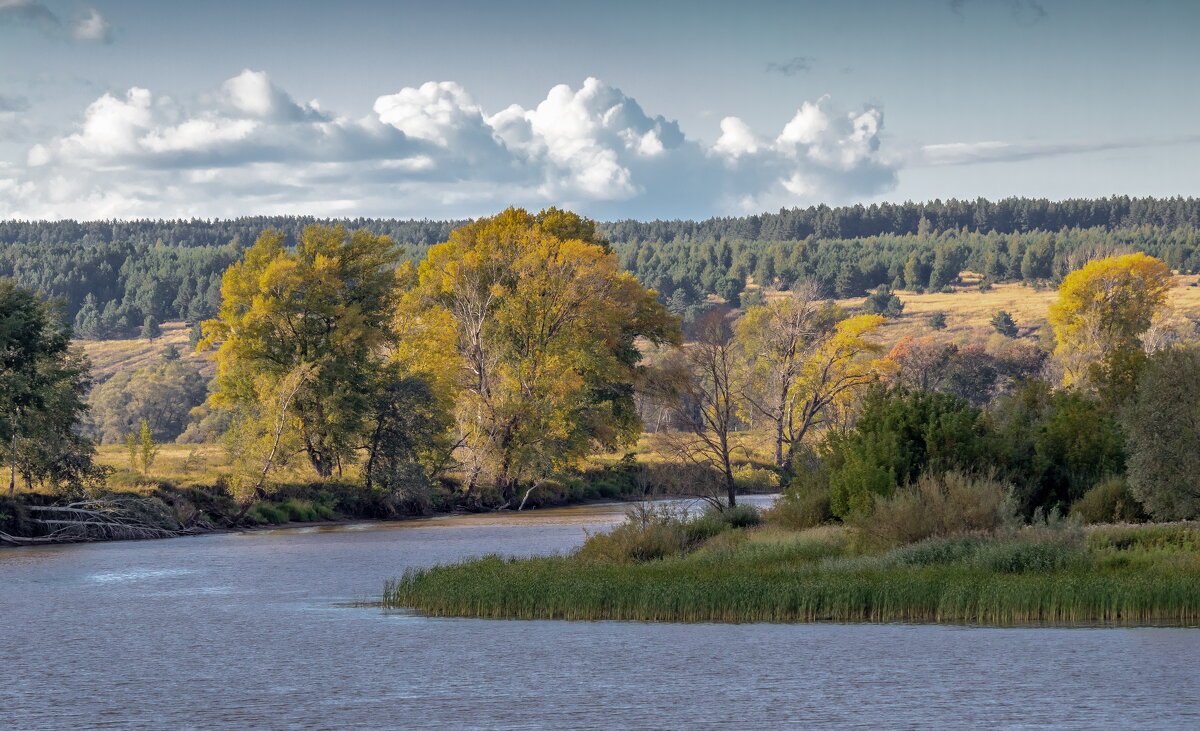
x=250 y=631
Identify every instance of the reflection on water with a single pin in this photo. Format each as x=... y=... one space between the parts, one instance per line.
x=252 y=630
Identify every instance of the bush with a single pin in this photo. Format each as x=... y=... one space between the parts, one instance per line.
x=1003 y=323
x=1018 y=557
x=937 y=321
x=741 y=516
x=936 y=505
x=883 y=302
x=802 y=506
x=1109 y=501
x=649 y=532
x=933 y=551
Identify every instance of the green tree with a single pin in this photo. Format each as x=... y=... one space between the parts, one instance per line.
x=899 y=436
x=326 y=310
x=937 y=321
x=1003 y=323
x=131 y=450
x=883 y=302
x=42 y=383
x=150 y=329
x=1162 y=426
x=147 y=447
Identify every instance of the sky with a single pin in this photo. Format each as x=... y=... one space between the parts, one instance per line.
x=650 y=109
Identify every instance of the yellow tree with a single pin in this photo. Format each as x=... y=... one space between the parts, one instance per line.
x=841 y=367
x=1102 y=311
x=534 y=326
x=325 y=310
x=799 y=361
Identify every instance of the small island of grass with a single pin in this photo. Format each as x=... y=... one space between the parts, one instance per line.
x=734 y=566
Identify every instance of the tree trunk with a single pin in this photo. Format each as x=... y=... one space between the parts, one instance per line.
x=12 y=456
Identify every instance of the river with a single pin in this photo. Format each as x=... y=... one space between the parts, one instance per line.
x=251 y=630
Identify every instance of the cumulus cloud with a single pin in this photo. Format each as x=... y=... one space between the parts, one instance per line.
x=432 y=150
x=88 y=25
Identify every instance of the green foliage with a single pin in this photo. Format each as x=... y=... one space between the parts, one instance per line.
x=937 y=321
x=1055 y=445
x=147 y=447
x=406 y=444
x=883 y=302
x=1162 y=425
x=1003 y=323
x=900 y=435
x=42 y=383
x=150 y=329
x=803 y=505
x=1109 y=501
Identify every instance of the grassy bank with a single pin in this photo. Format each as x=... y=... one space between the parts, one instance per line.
x=1142 y=574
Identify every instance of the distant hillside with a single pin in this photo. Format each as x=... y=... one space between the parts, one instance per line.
x=113 y=356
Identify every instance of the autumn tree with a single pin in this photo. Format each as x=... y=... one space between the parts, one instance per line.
x=308 y=327
x=532 y=329
x=1102 y=311
x=798 y=360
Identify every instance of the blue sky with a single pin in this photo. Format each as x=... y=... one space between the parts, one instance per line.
x=130 y=108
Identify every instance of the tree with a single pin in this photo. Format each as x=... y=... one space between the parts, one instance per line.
x=1103 y=308
x=324 y=310
x=533 y=327
x=1162 y=428
x=701 y=388
x=883 y=302
x=1003 y=323
x=150 y=329
x=774 y=341
x=406 y=443
x=937 y=321
x=42 y=383
x=899 y=436
x=147 y=447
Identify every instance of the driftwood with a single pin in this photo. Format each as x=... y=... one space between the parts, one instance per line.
x=99 y=520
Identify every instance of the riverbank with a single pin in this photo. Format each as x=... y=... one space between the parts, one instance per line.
x=1128 y=574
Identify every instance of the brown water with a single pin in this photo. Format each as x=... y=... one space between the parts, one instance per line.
x=247 y=631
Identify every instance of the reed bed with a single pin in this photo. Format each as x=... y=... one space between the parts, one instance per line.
x=815 y=580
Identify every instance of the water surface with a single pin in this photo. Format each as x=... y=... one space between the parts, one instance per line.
x=247 y=631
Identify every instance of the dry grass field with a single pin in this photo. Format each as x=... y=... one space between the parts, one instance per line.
x=969 y=310
x=112 y=356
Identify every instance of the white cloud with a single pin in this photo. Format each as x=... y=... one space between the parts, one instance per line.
x=92 y=26
x=432 y=150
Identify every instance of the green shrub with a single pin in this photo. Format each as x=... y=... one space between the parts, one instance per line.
x=741 y=516
x=1018 y=557
x=803 y=505
x=936 y=505
x=1109 y=501
x=934 y=551
x=268 y=513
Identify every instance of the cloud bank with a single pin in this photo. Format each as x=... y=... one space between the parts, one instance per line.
x=249 y=147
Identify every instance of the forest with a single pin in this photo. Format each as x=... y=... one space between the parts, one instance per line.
x=116 y=276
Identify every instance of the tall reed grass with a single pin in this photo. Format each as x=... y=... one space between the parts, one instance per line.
x=969 y=580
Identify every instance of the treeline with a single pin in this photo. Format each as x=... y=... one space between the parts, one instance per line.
x=684 y=271
x=418 y=234
x=114 y=276
x=1010 y=215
